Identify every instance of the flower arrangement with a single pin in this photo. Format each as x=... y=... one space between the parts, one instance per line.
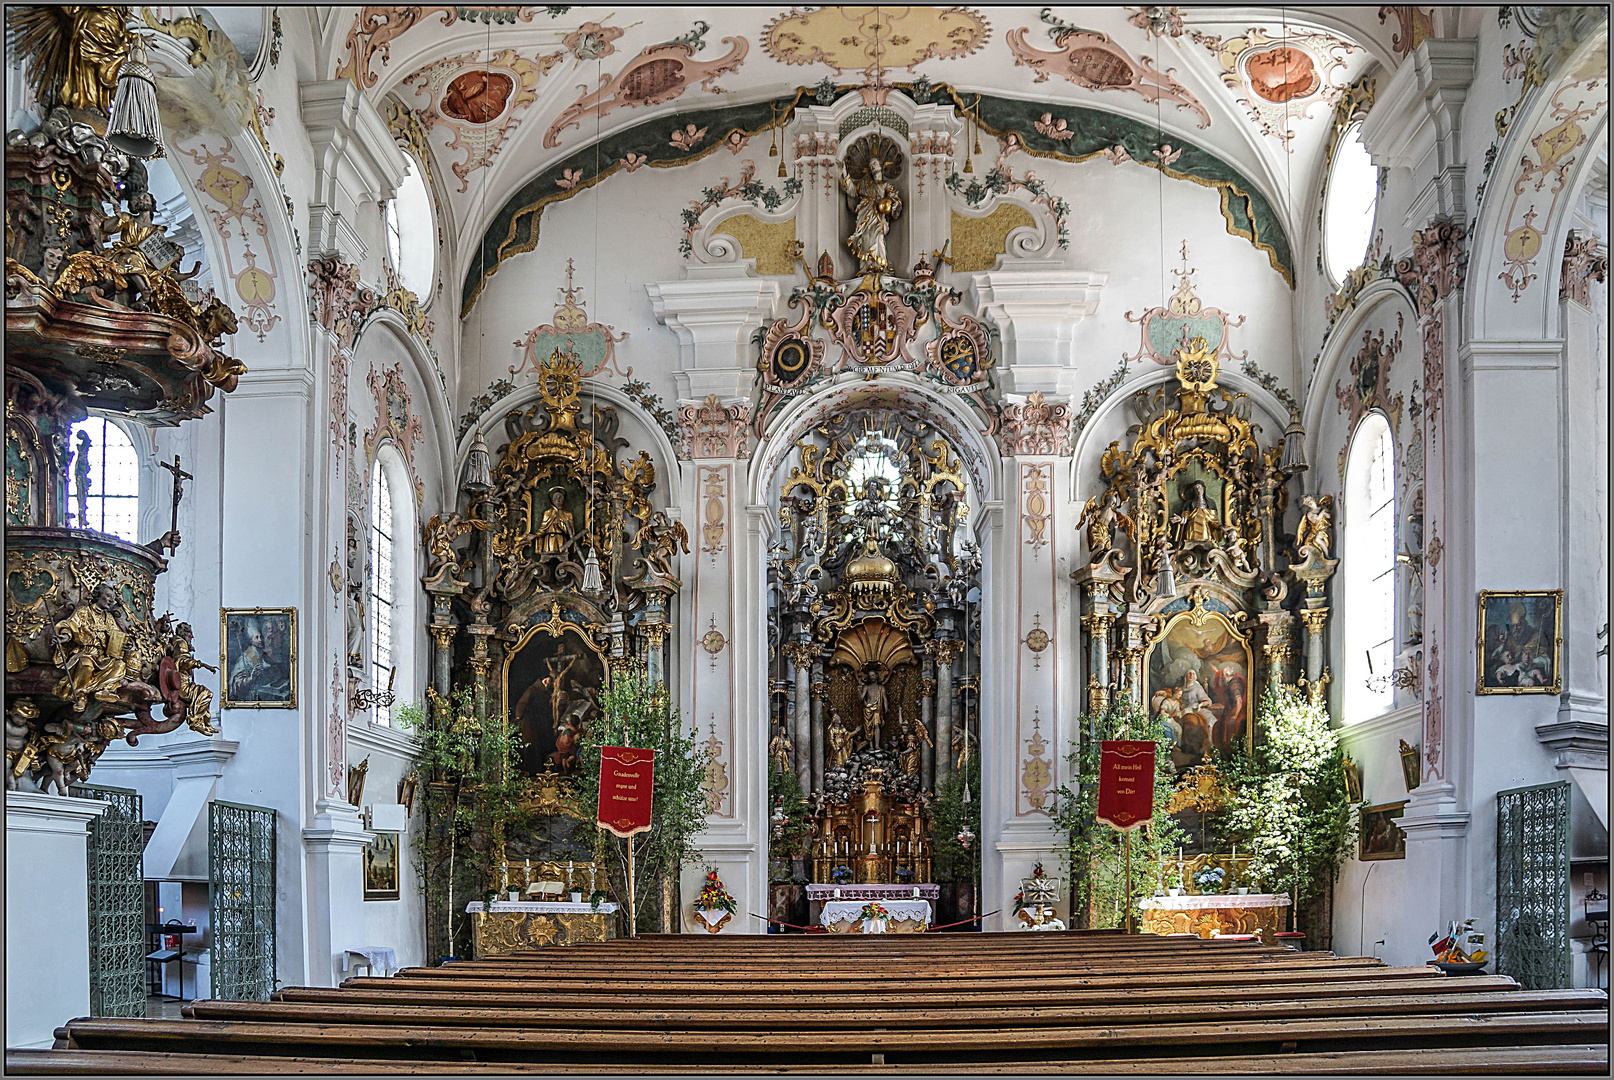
x=874 y=910
x=1210 y=879
x=841 y=875
x=1019 y=902
x=714 y=897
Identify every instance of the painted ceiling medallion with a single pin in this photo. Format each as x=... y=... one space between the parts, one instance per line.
x=874 y=39
x=660 y=73
x=1092 y=60
x=479 y=102
x=1280 y=80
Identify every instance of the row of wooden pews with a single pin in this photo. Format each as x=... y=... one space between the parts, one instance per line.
x=935 y=1003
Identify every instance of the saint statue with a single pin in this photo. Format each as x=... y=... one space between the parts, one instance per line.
x=840 y=740
x=89 y=647
x=872 y=694
x=908 y=760
x=1313 y=532
x=875 y=203
x=1198 y=519
x=557 y=527
x=962 y=740
x=779 y=751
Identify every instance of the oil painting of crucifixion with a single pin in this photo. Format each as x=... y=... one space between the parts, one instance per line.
x=553 y=684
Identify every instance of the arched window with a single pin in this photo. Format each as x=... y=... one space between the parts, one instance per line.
x=104 y=484
x=383 y=588
x=1349 y=204
x=411 y=236
x=1369 y=570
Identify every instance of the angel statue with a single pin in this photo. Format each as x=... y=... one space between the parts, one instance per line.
x=660 y=539
x=439 y=534
x=871 y=167
x=1314 y=531
x=1100 y=517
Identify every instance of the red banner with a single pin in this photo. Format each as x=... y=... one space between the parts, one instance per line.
x=1125 y=783
x=626 y=775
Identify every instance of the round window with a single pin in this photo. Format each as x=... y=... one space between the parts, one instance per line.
x=1348 y=206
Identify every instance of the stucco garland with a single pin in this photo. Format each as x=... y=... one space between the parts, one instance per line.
x=1082 y=133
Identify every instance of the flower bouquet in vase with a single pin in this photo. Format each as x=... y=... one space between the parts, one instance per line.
x=874 y=917
x=1210 y=879
x=714 y=905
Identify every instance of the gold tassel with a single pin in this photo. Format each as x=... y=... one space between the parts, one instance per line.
x=782 y=167
x=969 y=159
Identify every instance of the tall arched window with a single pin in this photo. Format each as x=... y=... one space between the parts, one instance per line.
x=411 y=236
x=1349 y=204
x=383 y=588
x=1369 y=570
x=104 y=487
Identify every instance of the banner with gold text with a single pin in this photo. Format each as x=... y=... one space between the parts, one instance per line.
x=1125 y=783
x=626 y=775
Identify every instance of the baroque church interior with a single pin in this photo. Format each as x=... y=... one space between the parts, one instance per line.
x=883 y=428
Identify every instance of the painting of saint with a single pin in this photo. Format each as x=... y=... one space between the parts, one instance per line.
x=553 y=683
x=1381 y=837
x=1198 y=685
x=260 y=658
x=381 y=867
x=1518 y=642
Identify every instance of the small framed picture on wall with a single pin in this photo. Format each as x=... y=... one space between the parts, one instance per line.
x=1382 y=838
x=381 y=867
x=1520 y=641
x=260 y=658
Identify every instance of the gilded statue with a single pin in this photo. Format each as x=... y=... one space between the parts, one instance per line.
x=961 y=747
x=840 y=740
x=184 y=698
x=90 y=646
x=1315 y=532
x=64 y=755
x=1198 y=522
x=557 y=527
x=22 y=749
x=874 y=201
x=73 y=52
x=908 y=760
x=872 y=694
x=660 y=539
x=439 y=535
x=779 y=751
x=1100 y=518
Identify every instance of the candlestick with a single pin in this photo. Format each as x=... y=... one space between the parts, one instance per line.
x=393 y=675
x=504 y=876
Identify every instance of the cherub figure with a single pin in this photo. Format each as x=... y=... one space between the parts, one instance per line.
x=22 y=750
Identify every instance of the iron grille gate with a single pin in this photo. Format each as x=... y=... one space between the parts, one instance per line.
x=117 y=894
x=241 y=900
x=1532 y=885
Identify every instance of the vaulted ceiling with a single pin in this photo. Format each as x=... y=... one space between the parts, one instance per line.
x=504 y=93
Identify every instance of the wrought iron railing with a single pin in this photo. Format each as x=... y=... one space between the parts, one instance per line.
x=117 y=903
x=1532 y=885
x=241 y=900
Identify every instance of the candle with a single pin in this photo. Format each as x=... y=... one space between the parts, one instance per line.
x=504 y=876
x=392 y=676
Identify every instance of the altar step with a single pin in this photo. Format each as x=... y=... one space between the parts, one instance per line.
x=920 y=1003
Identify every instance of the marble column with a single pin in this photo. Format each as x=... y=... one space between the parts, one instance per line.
x=929 y=754
x=817 y=696
x=947 y=650
x=804 y=743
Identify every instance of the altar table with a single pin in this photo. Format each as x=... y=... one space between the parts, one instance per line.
x=819 y=895
x=846 y=917
x=1209 y=916
x=508 y=926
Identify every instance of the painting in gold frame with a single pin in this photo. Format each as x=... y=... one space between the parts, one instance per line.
x=552 y=682
x=259 y=658
x=1520 y=645
x=381 y=867
x=1197 y=682
x=1381 y=838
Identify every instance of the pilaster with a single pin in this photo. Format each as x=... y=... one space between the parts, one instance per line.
x=1036 y=308
x=356 y=165
x=714 y=311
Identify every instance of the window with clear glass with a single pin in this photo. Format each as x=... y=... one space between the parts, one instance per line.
x=411 y=235
x=383 y=589
x=104 y=480
x=1349 y=205
x=1369 y=570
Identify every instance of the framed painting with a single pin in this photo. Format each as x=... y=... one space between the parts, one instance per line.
x=1381 y=837
x=260 y=658
x=381 y=867
x=1520 y=641
x=553 y=679
x=1197 y=682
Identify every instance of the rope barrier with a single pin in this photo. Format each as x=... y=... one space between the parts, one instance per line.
x=823 y=930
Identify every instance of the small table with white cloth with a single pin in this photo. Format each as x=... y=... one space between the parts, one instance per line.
x=846 y=917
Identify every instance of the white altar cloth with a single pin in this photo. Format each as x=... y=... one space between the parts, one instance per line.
x=1218 y=900
x=841 y=914
x=873 y=892
x=540 y=907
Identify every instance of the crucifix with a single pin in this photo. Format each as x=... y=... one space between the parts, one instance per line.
x=170 y=541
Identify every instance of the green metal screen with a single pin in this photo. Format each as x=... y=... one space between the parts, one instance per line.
x=1532 y=885
x=117 y=904
x=241 y=900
